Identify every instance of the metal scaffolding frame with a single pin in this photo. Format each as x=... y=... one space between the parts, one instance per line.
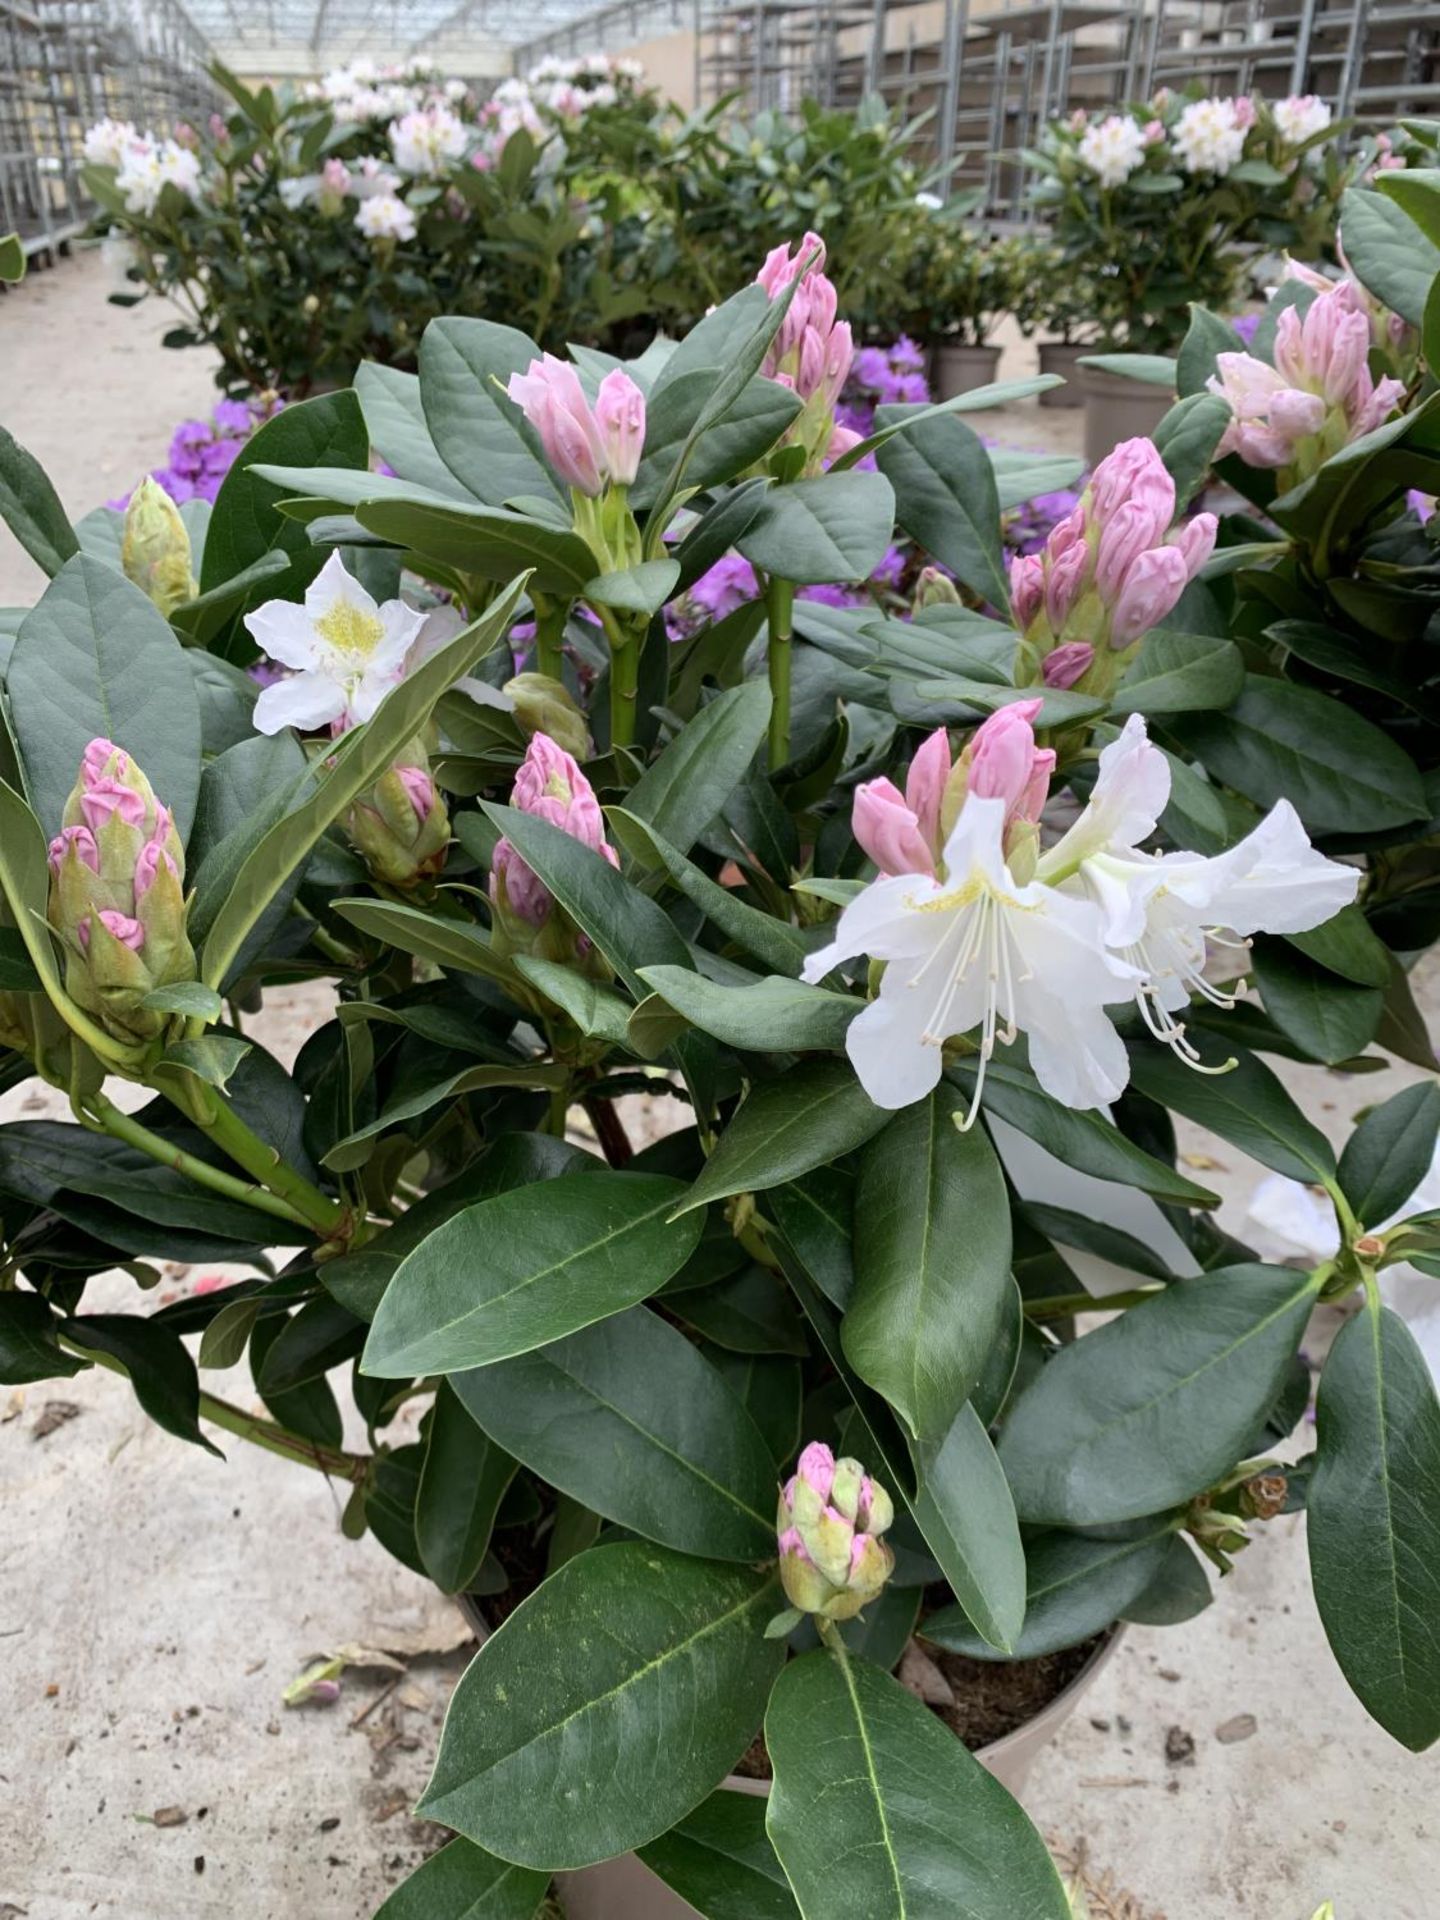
x=65 y=64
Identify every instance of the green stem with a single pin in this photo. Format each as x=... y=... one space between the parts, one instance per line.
x=624 y=682
x=305 y=1204
x=120 y=1126
x=249 y=1426
x=780 y=602
x=550 y=618
x=1060 y=1305
x=559 y=1110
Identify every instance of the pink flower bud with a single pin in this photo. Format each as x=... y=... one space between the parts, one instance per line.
x=817 y=1465
x=97 y=757
x=526 y=894
x=842 y=439
x=925 y=784
x=1064 y=582
x=1128 y=533
x=553 y=401
x=1063 y=666
x=1134 y=469
x=1244 y=111
x=1296 y=414
x=83 y=842
x=888 y=830
x=420 y=789
x=148 y=863
x=549 y=783
x=1003 y=759
x=105 y=799
x=1066 y=533
x=1196 y=540
x=128 y=932
x=1027 y=587
x=620 y=416
x=1152 y=586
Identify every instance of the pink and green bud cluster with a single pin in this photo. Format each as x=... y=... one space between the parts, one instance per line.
x=833 y=1561
x=1111 y=570
x=155 y=548
x=117 y=895
x=589 y=448
x=812 y=352
x=401 y=828
x=550 y=785
x=1318 y=396
x=906 y=833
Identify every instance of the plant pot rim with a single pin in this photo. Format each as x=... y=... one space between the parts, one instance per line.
x=1055 y=1711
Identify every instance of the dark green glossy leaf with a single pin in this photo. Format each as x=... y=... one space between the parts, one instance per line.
x=1329 y=1019
x=562 y=1762
x=945 y=497
x=462 y=1483
x=30 y=506
x=462 y=1881
x=1374 y=1522
x=1389 y=1153
x=681 y=793
x=1246 y=1105
x=158 y=1363
x=1179 y=1591
x=505 y=1277
x=834 y=527
x=719 y=1859
x=479 y=433
x=772 y=1015
x=750 y=1312
x=878 y=1812
x=29 y=1342
x=786 y=1128
x=1152 y=1408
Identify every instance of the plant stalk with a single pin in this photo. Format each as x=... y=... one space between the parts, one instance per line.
x=780 y=603
x=1060 y=1305
x=624 y=684
x=120 y=1126
x=550 y=617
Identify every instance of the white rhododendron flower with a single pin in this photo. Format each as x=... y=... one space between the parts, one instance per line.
x=1209 y=136
x=1113 y=148
x=343 y=650
x=147 y=167
x=982 y=938
x=108 y=141
x=385 y=216
x=426 y=143
x=1159 y=908
x=1301 y=117
x=371 y=179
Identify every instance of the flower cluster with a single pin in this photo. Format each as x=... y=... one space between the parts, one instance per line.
x=832 y=1514
x=117 y=895
x=550 y=785
x=813 y=350
x=427 y=142
x=202 y=452
x=1317 y=397
x=364 y=92
x=1114 y=148
x=555 y=91
x=144 y=164
x=983 y=934
x=1108 y=572
x=1207 y=137
x=882 y=377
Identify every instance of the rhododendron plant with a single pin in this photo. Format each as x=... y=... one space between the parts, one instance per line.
x=730 y=1011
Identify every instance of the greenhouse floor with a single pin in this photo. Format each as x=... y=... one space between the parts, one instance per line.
x=155 y=1601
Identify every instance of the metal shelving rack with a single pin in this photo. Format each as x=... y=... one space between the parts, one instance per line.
x=65 y=64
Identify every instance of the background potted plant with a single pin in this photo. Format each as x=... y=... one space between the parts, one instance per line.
x=1055 y=298
x=643 y=866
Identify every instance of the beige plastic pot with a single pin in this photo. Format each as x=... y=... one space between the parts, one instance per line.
x=960 y=369
x=1061 y=356
x=624 y=1889
x=1117 y=409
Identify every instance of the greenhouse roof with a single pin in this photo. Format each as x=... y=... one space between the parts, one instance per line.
x=290 y=37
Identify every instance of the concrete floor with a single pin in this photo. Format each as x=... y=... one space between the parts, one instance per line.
x=155 y=1601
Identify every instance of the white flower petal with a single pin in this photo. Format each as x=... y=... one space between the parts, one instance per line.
x=1276 y=882
x=890 y=920
x=285 y=632
x=333 y=585
x=402 y=625
x=1130 y=794
x=1075 y=1052
x=305 y=701
x=894 y=1065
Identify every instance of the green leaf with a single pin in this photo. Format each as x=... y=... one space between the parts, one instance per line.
x=462 y=1881
x=203 y=617
x=774 y=1014
x=1281 y=741
x=29 y=1342
x=1389 y=1153
x=490 y=542
x=158 y=1363
x=964 y=1508
x=12 y=258
x=1246 y=1106
x=462 y=1484
x=479 y=433
x=816 y=1216
x=772 y=942
x=1329 y=1019
x=1186 y=440
x=629 y=1419
x=1180 y=672
x=325 y=432
x=946 y=500
x=786 y=1127
x=878 y=1811
x=224 y=1341
x=504 y=1277
x=1179 y=1591
x=932 y=1264
x=562 y=1762
x=719 y=1859
x=354 y=1149
x=1208 y=335
x=640 y=589
x=747 y=1312
x=395 y=421
x=1347 y=946
x=458 y=944
x=682 y=792
x=362 y=756
x=598 y=1013
x=30 y=506
x=96 y=660
x=834 y=527
x=187 y=997
x=1374 y=1522
x=1074 y=1587
x=1154 y=1407
x=1085 y=1140
x=321 y=1335
x=1387 y=244
x=1151 y=369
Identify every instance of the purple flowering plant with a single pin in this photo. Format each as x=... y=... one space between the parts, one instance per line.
x=713 y=1418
